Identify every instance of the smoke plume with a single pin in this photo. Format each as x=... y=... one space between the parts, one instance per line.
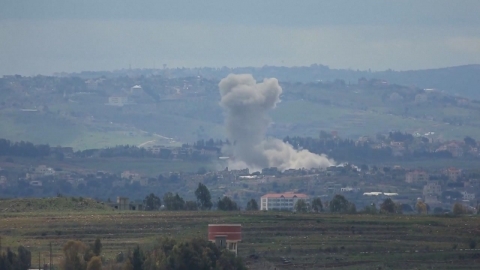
x=246 y=104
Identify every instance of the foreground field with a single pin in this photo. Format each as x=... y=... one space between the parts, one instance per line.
x=309 y=241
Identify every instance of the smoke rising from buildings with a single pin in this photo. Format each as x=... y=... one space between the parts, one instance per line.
x=246 y=104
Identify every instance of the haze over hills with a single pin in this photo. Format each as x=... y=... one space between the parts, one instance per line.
x=458 y=80
x=171 y=106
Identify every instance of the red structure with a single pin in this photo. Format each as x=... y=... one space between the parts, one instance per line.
x=225 y=235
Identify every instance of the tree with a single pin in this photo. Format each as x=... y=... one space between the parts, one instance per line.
x=421 y=207
x=137 y=259
x=8 y=260
x=388 y=206
x=72 y=259
x=226 y=204
x=152 y=202
x=252 y=205
x=12 y=261
x=317 y=205
x=24 y=260
x=301 y=206
x=370 y=209
x=191 y=206
x=173 y=202
x=459 y=209
x=95 y=263
x=204 y=199
x=97 y=247
x=341 y=205
x=192 y=254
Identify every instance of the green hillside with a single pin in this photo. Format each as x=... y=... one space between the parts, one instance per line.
x=175 y=111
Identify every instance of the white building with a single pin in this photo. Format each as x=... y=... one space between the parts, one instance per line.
x=44 y=170
x=131 y=176
x=117 y=100
x=282 y=201
x=136 y=89
x=468 y=196
x=432 y=188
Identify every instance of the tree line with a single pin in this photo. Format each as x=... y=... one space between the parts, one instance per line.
x=21 y=260
x=166 y=254
x=23 y=149
x=174 y=202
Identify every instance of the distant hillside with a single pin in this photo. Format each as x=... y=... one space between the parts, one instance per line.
x=459 y=80
x=50 y=204
x=79 y=113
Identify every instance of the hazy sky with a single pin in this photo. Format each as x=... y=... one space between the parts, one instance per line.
x=42 y=37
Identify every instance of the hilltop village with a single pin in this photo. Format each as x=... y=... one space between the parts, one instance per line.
x=439 y=187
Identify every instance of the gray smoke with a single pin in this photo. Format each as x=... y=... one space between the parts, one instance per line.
x=246 y=104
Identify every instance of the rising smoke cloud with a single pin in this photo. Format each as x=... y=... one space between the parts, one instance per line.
x=246 y=104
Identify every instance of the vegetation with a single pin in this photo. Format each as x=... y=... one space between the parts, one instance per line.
x=301 y=206
x=252 y=205
x=152 y=202
x=308 y=240
x=341 y=205
x=10 y=260
x=174 y=202
x=226 y=204
x=23 y=149
x=388 y=206
x=191 y=254
x=317 y=205
x=204 y=199
x=459 y=209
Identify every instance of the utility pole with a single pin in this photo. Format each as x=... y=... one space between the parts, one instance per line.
x=51 y=266
x=39 y=261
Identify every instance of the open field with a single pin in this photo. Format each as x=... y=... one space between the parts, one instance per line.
x=308 y=241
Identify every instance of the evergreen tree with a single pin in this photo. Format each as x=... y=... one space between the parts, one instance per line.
x=204 y=199
x=137 y=258
x=388 y=206
x=317 y=205
x=152 y=202
x=252 y=205
x=301 y=206
x=226 y=204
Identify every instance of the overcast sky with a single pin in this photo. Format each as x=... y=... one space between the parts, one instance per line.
x=42 y=37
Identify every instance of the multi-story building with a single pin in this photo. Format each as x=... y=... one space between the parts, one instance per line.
x=453 y=173
x=282 y=201
x=416 y=176
x=432 y=188
x=468 y=196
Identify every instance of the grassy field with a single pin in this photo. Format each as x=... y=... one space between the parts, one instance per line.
x=308 y=241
